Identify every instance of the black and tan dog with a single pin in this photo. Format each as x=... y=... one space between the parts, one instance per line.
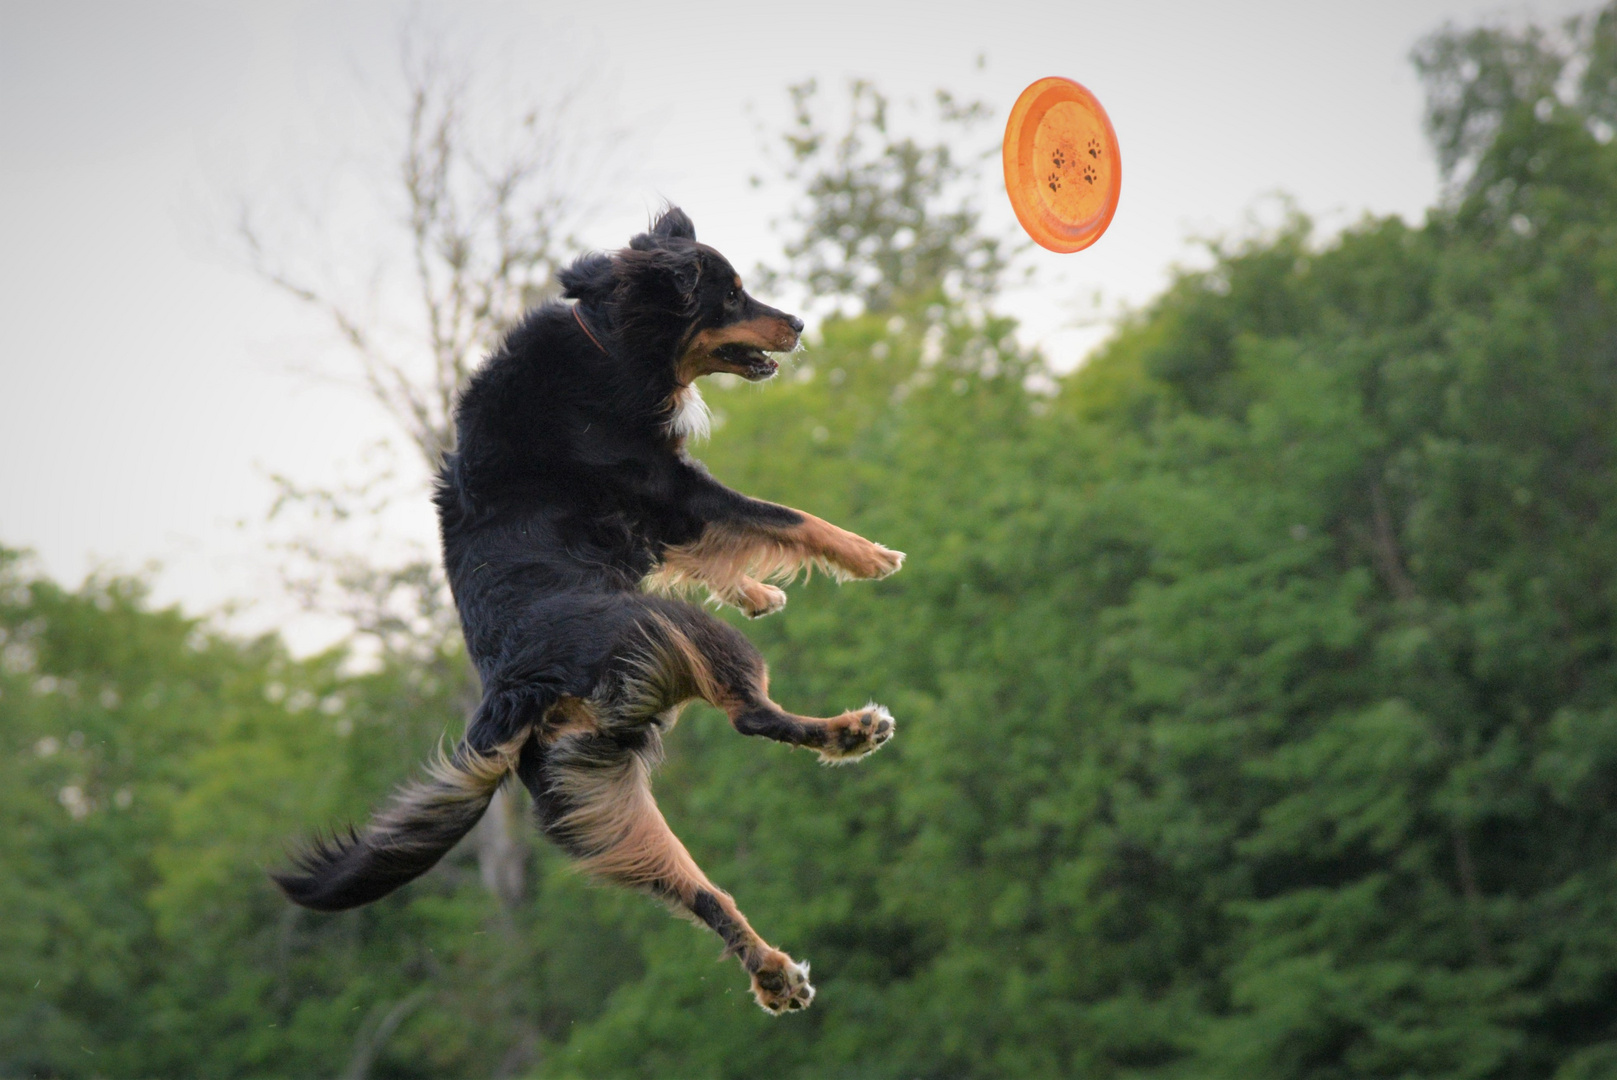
x=569 y=494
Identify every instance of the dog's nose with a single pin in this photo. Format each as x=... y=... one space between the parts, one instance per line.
x=795 y=323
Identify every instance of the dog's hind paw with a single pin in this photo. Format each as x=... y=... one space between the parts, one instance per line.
x=781 y=985
x=855 y=735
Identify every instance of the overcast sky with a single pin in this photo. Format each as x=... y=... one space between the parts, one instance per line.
x=149 y=382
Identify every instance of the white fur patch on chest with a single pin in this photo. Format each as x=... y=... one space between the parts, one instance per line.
x=691 y=419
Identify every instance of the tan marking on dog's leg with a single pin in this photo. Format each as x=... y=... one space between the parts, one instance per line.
x=676 y=667
x=849 y=554
x=616 y=820
x=729 y=561
x=569 y=716
x=727 y=558
x=663 y=671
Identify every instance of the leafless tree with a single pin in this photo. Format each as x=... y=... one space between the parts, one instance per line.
x=487 y=206
x=485 y=234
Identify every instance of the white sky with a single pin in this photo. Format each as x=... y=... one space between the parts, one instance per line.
x=148 y=382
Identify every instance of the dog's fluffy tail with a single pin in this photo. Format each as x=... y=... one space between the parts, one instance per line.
x=406 y=838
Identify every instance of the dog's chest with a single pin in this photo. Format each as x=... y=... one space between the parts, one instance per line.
x=690 y=419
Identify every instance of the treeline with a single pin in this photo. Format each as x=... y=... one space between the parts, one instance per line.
x=1257 y=690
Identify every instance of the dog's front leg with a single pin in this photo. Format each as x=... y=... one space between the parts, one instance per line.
x=842 y=553
x=745 y=542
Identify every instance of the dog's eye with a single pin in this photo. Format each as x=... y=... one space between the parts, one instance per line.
x=732 y=296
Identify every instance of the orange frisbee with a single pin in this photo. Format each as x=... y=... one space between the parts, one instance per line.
x=1063 y=171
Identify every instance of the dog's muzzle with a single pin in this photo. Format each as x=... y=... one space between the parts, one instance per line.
x=751 y=360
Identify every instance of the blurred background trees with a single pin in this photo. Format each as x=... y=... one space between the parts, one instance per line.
x=884 y=219
x=1257 y=683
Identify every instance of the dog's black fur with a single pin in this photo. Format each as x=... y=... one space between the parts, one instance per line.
x=571 y=490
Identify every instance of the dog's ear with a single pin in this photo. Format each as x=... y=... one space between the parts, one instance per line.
x=672 y=224
x=590 y=278
x=666 y=277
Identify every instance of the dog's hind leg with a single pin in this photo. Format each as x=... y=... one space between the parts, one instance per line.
x=718 y=664
x=591 y=784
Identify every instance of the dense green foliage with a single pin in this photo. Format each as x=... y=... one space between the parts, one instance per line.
x=1257 y=693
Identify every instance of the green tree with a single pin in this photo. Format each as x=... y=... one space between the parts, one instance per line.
x=1254 y=692
x=1256 y=697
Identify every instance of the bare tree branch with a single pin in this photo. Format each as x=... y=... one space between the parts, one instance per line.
x=486 y=229
x=486 y=211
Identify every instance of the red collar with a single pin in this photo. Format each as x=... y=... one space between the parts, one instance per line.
x=586 y=330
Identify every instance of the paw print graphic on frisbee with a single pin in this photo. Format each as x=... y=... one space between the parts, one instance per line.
x=1062 y=167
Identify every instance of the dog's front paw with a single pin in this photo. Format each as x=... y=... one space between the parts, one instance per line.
x=872 y=561
x=887 y=561
x=855 y=735
x=780 y=984
x=752 y=598
x=760 y=600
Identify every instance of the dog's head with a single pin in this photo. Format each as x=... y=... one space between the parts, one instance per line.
x=670 y=300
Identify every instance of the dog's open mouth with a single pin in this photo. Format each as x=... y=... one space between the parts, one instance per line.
x=752 y=364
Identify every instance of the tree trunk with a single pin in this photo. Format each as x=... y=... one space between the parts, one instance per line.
x=502 y=857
